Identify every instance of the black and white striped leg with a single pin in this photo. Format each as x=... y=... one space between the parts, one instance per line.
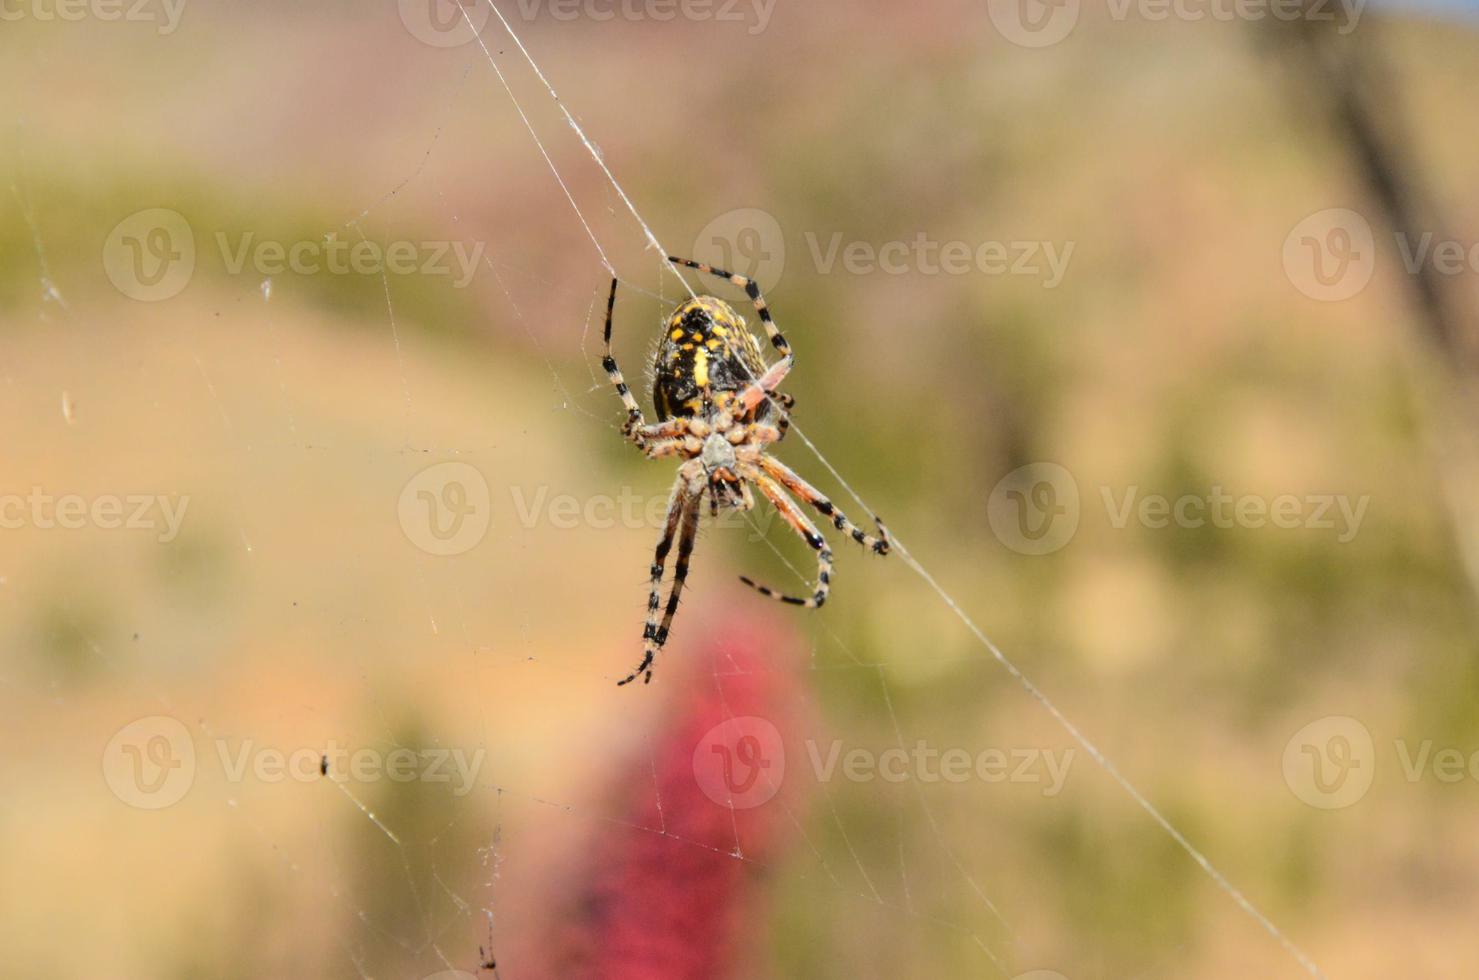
x=788 y=478
x=678 y=505
x=752 y=289
x=634 y=411
x=686 y=539
x=682 y=510
x=803 y=526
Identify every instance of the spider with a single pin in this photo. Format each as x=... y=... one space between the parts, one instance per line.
x=718 y=409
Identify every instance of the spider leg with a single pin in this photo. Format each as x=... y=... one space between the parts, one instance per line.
x=752 y=289
x=787 y=477
x=803 y=526
x=686 y=539
x=635 y=420
x=683 y=500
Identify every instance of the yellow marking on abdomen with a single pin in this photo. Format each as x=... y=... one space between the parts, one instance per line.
x=701 y=367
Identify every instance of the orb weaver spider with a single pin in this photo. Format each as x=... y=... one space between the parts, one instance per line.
x=718 y=409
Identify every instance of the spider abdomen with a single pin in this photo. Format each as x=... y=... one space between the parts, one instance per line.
x=706 y=354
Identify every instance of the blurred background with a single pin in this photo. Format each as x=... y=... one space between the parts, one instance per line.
x=1147 y=329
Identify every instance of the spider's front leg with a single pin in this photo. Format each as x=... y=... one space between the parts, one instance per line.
x=683 y=510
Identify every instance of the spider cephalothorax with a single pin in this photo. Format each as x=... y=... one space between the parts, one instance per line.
x=715 y=401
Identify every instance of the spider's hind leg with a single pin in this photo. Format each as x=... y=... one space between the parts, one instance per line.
x=880 y=544
x=752 y=290
x=803 y=526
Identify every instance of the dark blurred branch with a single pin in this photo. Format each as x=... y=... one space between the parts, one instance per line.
x=1346 y=77
x=1351 y=89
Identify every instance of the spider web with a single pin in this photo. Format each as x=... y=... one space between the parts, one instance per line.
x=418 y=886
